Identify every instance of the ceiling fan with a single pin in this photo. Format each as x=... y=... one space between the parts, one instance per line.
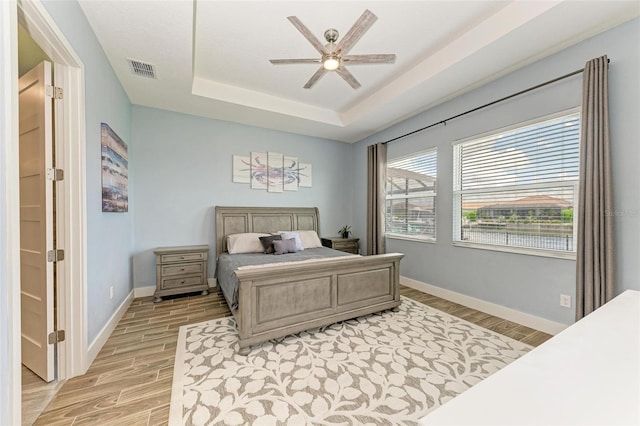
x=334 y=56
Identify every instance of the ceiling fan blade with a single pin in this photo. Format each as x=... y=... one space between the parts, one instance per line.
x=369 y=59
x=357 y=30
x=348 y=77
x=295 y=61
x=315 y=77
x=307 y=34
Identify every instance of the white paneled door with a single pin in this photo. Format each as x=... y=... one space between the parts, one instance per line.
x=36 y=220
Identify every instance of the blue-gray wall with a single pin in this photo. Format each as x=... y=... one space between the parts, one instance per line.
x=183 y=170
x=109 y=235
x=528 y=284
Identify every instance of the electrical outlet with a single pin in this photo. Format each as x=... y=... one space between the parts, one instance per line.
x=111 y=292
x=565 y=300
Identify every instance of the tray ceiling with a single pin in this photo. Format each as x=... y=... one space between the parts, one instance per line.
x=212 y=57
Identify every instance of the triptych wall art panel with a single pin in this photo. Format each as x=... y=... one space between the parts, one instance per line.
x=272 y=171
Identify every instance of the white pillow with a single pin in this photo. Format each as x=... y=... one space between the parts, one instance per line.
x=245 y=243
x=310 y=239
x=293 y=234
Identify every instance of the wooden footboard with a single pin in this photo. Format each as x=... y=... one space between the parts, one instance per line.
x=276 y=301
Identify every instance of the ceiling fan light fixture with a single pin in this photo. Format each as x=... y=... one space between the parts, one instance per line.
x=331 y=63
x=335 y=56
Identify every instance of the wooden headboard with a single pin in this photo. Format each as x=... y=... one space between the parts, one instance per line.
x=237 y=220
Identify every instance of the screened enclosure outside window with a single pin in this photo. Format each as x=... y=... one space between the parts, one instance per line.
x=517 y=189
x=411 y=196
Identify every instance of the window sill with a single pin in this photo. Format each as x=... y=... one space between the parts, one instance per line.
x=519 y=250
x=411 y=238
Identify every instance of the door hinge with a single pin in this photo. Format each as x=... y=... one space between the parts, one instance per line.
x=54 y=92
x=55 y=174
x=56 y=337
x=55 y=255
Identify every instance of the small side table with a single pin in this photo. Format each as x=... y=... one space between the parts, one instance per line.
x=181 y=270
x=348 y=245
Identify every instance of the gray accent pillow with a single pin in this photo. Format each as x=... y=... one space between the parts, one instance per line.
x=293 y=234
x=267 y=242
x=285 y=246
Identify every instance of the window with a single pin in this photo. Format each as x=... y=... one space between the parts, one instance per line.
x=517 y=189
x=411 y=196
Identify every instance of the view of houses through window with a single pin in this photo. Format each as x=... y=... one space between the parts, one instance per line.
x=518 y=188
x=411 y=196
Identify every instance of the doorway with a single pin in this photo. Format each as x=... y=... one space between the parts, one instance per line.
x=37 y=228
x=70 y=201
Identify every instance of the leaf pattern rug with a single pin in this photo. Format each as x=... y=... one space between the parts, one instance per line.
x=384 y=368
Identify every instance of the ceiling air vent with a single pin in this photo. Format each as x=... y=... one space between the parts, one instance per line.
x=142 y=69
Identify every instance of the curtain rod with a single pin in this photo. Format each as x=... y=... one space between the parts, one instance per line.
x=489 y=104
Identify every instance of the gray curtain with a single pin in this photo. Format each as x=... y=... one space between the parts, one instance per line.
x=594 y=262
x=376 y=176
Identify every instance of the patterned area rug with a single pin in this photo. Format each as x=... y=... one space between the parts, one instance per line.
x=386 y=368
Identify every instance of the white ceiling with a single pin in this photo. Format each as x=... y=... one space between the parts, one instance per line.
x=212 y=57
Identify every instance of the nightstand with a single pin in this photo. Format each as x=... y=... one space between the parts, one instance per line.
x=181 y=270
x=349 y=245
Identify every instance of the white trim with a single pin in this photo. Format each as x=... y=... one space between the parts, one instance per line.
x=72 y=293
x=556 y=254
x=532 y=321
x=213 y=282
x=144 y=291
x=45 y=32
x=11 y=382
x=105 y=333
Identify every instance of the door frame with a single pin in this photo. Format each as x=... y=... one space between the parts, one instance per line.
x=72 y=223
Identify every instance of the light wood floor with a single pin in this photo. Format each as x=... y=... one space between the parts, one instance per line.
x=129 y=383
x=36 y=395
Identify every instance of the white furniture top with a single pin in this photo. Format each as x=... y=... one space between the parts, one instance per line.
x=589 y=374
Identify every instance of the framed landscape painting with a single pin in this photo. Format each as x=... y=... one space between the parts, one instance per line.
x=115 y=171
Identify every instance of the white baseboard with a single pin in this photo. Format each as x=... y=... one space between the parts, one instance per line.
x=532 y=321
x=101 y=339
x=144 y=291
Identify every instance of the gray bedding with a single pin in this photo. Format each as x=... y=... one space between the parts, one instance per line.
x=228 y=263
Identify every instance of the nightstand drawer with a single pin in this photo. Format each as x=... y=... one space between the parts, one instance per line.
x=182 y=269
x=167 y=258
x=348 y=245
x=351 y=245
x=182 y=281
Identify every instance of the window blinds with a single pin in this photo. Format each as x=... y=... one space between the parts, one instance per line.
x=518 y=187
x=411 y=195
x=541 y=153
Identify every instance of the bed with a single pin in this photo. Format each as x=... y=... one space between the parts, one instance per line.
x=279 y=299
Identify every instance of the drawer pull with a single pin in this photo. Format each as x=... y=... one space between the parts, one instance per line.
x=182 y=282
